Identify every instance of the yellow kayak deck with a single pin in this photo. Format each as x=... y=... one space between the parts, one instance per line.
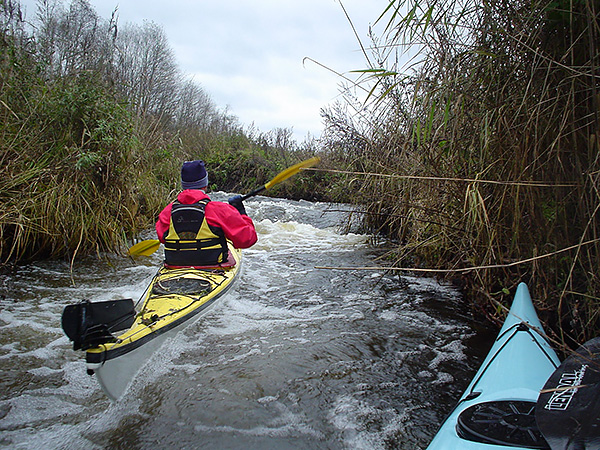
x=174 y=296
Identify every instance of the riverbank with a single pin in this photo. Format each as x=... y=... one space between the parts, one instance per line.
x=84 y=168
x=478 y=154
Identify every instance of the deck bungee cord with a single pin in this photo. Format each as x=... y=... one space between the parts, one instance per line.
x=516 y=399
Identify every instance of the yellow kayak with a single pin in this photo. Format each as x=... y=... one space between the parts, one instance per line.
x=119 y=337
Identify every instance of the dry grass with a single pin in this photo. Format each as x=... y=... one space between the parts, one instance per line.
x=488 y=150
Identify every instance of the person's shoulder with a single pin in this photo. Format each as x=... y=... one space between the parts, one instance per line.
x=220 y=209
x=218 y=205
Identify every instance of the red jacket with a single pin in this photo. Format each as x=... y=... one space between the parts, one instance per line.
x=238 y=228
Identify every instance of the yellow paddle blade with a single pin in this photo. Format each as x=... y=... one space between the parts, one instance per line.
x=285 y=174
x=144 y=248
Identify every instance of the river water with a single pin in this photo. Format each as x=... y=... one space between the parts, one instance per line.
x=296 y=358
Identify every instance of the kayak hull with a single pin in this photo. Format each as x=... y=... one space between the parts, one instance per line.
x=175 y=298
x=512 y=374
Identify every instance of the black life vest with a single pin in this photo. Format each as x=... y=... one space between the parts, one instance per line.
x=191 y=241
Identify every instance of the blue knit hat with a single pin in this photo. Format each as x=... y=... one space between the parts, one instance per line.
x=193 y=175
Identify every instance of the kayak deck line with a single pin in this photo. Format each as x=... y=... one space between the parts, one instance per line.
x=145 y=328
x=517 y=328
x=152 y=320
x=107 y=352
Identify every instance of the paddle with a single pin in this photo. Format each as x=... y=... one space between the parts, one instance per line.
x=568 y=408
x=146 y=248
x=284 y=175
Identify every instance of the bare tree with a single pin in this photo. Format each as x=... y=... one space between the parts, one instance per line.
x=73 y=39
x=147 y=71
x=195 y=108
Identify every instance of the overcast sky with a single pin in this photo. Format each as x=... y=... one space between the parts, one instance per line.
x=248 y=54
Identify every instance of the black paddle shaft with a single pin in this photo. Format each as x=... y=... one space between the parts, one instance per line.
x=253 y=193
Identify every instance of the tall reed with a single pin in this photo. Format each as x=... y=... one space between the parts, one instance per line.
x=491 y=143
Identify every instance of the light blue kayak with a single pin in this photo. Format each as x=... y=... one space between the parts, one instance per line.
x=497 y=411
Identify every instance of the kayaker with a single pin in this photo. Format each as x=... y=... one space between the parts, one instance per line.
x=194 y=229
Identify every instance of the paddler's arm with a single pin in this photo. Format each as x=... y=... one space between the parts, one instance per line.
x=238 y=228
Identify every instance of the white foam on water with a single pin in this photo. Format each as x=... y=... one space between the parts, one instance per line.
x=283 y=423
x=274 y=236
x=245 y=315
x=78 y=384
x=110 y=415
x=28 y=410
x=19 y=318
x=389 y=315
x=57 y=436
x=44 y=371
x=349 y=415
x=432 y=286
x=453 y=351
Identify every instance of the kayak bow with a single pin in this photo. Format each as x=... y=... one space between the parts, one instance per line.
x=497 y=411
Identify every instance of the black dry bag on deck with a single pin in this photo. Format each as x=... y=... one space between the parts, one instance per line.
x=91 y=324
